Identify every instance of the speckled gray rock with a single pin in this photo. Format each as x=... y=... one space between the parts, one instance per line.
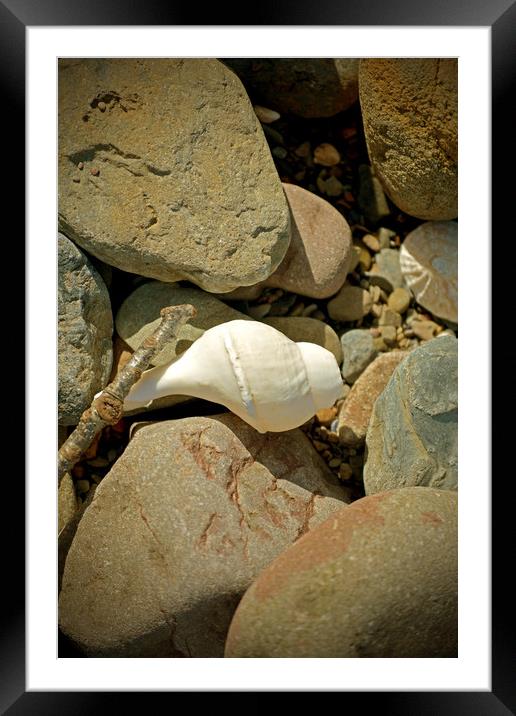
x=377 y=579
x=429 y=264
x=307 y=87
x=173 y=184
x=358 y=351
x=386 y=271
x=412 y=435
x=409 y=108
x=84 y=332
x=139 y=316
x=179 y=528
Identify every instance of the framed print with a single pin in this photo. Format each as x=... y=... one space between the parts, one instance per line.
x=43 y=47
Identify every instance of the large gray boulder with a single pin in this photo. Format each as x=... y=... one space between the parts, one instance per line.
x=85 y=327
x=185 y=520
x=412 y=435
x=164 y=171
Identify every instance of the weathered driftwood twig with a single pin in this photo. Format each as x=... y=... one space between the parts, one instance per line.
x=108 y=407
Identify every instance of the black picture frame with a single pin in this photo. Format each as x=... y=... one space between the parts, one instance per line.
x=500 y=16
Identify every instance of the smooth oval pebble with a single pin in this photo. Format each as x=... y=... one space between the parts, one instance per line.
x=399 y=300
x=429 y=263
x=377 y=579
x=350 y=304
x=185 y=520
x=358 y=351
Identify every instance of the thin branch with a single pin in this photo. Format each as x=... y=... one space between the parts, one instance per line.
x=108 y=407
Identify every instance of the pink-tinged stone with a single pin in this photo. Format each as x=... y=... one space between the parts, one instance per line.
x=358 y=407
x=377 y=579
x=187 y=517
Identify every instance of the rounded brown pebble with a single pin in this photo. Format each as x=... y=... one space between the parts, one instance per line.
x=377 y=579
x=350 y=304
x=399 y=300
x=326 y=155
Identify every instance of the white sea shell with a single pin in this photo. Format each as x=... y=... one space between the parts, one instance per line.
x=271 y=382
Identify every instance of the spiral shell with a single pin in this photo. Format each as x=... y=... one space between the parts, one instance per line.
x=271 y=382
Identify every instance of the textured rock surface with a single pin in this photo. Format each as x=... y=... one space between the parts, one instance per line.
x=356 y=410
x=139 y=316
x=320 y=252
x=66 y=502
x=358 y=351
x=377 y=579
x=409 y=108
x=350 y=304
x=308 y=87
x=178 y=529
x=308 y=330
x=84 y=332
x=183 y=188
x=429 y=264
x=412 y=436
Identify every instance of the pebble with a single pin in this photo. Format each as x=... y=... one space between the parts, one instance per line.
x=83 y=486
x=260 y=310
x=389 y=317
x=371 y=242
x=385 y=236
x=303 y=150
x=334 y=462
x=375 y=293
x=358 y=351
x=280 y=152
x=429 y=263
x=266 y=115
x=399 y=300
x=331 y=187
x=163 y=207
x=326 y=416
x=356 y=411
x=326 y=154
x=350 y=304
x=412 y=436
x=389 y=335
x=426 y=330
x=371 y=197
x=186 y=519
x=386 y=271
x=345 y=471
x=377 y=579
x=308 y=330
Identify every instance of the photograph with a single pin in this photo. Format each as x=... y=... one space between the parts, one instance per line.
x=258 y=357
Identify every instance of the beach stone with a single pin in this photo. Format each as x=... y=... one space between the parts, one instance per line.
x=174 y=186
x=350 y=304
x=320 y=252
x=66 y=502
x=185 y=520
x=358 y=351
x=412 y=435
x=85 y=326
x=409 y=108
x=429 y=264
x=426 y=330
x=356 y=410
x=388 y=317
x=386 y=271
x=303 y=329
x=399 y=300
x=326 y=155
x=306 y=87
x=371 y=197
x=139 y=316
x=377 y=579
